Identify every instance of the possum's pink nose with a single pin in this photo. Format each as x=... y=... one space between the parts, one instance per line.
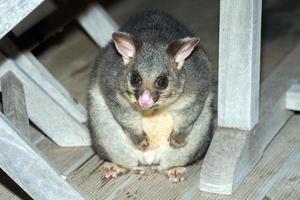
x=146 y=100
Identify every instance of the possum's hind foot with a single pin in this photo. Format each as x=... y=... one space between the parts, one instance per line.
x=177 y=174
x=111 y=170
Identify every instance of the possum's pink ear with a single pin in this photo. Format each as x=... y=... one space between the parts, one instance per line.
x=181 y=49
x=126 y=45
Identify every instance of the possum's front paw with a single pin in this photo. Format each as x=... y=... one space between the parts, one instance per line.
x=111 y=170
x=142 y=142
x=177 y=140
x=177 y=174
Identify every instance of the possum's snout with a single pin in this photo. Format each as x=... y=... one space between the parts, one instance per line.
x=145 y=99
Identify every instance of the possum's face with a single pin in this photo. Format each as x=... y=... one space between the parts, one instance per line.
x=154 y=77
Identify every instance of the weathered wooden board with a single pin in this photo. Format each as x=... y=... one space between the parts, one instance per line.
x=292 y=101
x=98 y=24
x=50 y=117
x=34 y=17
x=152 y=186
x=37 y=72
x=288 y=187
x=231 y=154
x=64 y=159
x=13 y=11
x=14 y=105
x=29 y=169
x=276 y=161
x=239 y=63
x=10 y=190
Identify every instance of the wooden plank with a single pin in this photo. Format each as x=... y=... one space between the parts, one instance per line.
x=98 y=24
x=25 y=165
x=37 y=72
x=13 y=11
x=276 y=161
x=287 y=187
x=224 y=166
x=292 y=101
x=64 y=159
x=152 y=186
x=34 y=17
x=49 y=116
x=239 y=63
x=9 y=190
x=14 y=105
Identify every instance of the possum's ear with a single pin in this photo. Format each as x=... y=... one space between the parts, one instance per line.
x=181 y=49
x=126 y=45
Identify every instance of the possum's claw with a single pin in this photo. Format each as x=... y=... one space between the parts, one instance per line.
x=111 y=170
x=144 y=143
x=177 y=174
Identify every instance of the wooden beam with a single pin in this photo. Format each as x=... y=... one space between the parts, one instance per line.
x=34 y=17
x=292 y=101
x=13 y=11
x=31 y=171
x=26 y=62
x=233 y=153
x=14 y=105
x=239 y=63
x=98 y=24
x=46 y=113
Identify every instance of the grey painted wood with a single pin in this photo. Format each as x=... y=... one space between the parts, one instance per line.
x=289 y=163
x=34 y=17
x=239 y=63
x=13 y=11
x=46 y=113
x=288 y=187
x=98 y=24
x=233 y=153
x=276 y=161
x=29 y=169
x=37 y=72
x=14 y=105
x=292 y=101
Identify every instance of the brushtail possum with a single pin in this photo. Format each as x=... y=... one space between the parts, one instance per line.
x=156 y=81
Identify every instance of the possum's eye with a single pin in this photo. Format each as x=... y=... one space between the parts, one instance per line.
x=135 y=80
x=161 y=82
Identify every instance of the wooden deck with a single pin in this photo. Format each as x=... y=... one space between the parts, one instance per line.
x=276 y=176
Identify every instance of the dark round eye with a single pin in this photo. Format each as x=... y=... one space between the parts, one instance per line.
x=135 y=80
x=161 y=82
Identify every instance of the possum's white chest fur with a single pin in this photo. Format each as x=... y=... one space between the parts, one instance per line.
x=158 y=128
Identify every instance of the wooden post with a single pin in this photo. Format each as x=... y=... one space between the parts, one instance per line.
x=239 y=63
x=14 y=105
x=233 y=153
x=28 y=64
x=27 y=167
x=46 y=113
x=13 y=11
x=98 y=24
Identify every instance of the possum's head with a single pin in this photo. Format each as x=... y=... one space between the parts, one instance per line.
x=153 y=72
